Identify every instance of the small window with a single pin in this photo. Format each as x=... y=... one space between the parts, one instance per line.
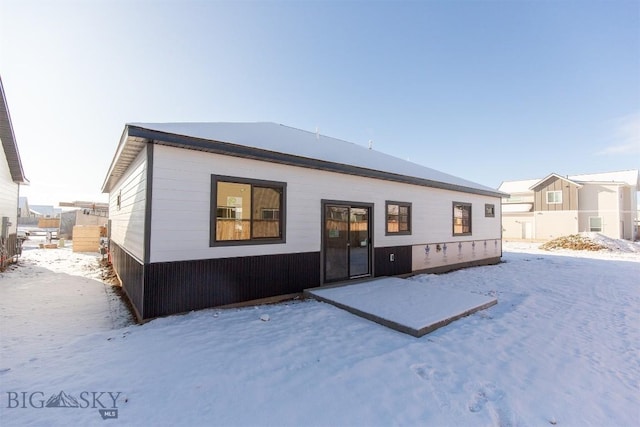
x=554 y=197
x=461 y=219
x=246 y=211
x=595 y=224
x=489 y=210
x=226 y=212
x=271 y=214
x=398 y=218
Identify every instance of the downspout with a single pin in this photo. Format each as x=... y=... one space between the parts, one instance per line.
x=620 y=215
x=18 y=248
x=577 y=211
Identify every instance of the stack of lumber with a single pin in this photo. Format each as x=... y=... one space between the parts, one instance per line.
x=49 y=223
x=48 y=245
x=86 y=238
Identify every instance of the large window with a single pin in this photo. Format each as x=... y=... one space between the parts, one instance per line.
x=246 y=211
x=595 y=224
x=554 y=197
x=398 y=218
x=461 y=219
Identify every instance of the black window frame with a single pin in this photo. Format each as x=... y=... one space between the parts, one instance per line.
x=453 y=219
x=277 y=185
x=409 y=218
x=489 y=210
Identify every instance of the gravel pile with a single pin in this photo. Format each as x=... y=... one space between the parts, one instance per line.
x=574 y=242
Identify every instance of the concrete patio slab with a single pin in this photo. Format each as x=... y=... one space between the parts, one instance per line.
x=407 y=306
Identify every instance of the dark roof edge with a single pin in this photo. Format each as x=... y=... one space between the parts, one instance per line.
x=9 y=141
x=554 y=175
x=121 y=143
x=217 y=147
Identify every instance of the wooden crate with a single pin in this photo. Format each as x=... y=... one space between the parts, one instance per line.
x=86 y=238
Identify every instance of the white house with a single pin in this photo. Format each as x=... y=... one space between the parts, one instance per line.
x=542 y=209
x=211 y=214
x=11 y=176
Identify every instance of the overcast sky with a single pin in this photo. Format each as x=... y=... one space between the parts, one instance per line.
x=485 y=90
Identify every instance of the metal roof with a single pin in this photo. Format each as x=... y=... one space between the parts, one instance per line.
x=285 y=145
x=514 y=187
x=9 y=141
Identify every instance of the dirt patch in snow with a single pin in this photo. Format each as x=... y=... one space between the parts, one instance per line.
x=574 y=242
x=591 y=242
x=110 y=278
x=108 y=274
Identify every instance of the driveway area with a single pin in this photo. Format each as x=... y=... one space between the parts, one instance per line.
x=53 y=296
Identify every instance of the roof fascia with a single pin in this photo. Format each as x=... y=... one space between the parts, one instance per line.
x=106 y=185
x=619 y=183
x=553 y=175
x=9 y=141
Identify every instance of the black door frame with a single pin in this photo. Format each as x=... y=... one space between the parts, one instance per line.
x=350 y=205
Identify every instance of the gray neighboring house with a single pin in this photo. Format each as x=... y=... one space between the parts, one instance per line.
x=213 y=214
x=11 y=177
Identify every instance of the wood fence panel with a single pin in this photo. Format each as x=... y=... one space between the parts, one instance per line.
x=86 y=238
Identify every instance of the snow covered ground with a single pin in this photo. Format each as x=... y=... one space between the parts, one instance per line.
x=560 y=348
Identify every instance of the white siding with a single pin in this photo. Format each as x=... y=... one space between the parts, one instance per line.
x=8 y=194
x=549 y=225
x=514 y=225
x=602 y=200
x=181 y=206
x=128 y=220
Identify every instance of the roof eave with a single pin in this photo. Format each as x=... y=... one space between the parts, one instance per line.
x=226 y=148
x=127 y=150
x=9 y=141
x=554 y=175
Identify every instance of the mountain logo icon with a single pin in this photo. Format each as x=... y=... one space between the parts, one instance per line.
x=62 y=400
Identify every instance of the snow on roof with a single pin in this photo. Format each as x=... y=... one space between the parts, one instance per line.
x=277 y=138
x=629 y=177
x=513 y=187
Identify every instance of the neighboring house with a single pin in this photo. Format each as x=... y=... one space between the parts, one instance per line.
x=44 y=211
x=11 y=176
x=89 y=208
x=543 y=209
x=212 y=214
